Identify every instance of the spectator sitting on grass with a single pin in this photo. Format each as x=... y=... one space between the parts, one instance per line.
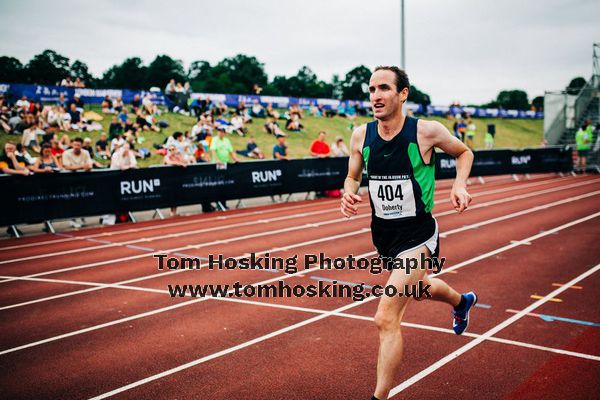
x=53 y=116
x=237 y=122
x=46 y=162
x=29 y=139
x=293 y=123
x=115 y=128
x=107 y=105
x=271 y=112
x=123 y=115
x=12 y=164
x=57 y=150
x=118 y=104
x=341 y=111
x=136 y=103
x=87 y=146
x=76 y=158
x=252 y=150
x=338 y=148
x=148 y=104
x=123 y=158
x=314 y=110
x=257 y=110
x=116 y=143
x=76 y=120
x=102 y=151
x=280 y=149
x=79 y=104
x=61 y=102
x=221 y=108
x=23 y=103
x=64 y=120
x=319 y=148
x=146 y=122
x=295 y=110
x=273 y=128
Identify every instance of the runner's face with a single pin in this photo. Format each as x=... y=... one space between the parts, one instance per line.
x=385 y=99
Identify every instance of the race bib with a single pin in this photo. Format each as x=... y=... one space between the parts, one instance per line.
x=392 y=196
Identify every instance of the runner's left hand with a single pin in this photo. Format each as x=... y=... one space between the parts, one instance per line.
x=460 y=198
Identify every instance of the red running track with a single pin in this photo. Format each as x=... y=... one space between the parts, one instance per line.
x=90 y=319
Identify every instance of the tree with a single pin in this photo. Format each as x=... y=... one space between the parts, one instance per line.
x=538 y=102
x=352 y=86
x=11 y=70
x=416 y=96
x=80 y=70
x=162 y=70
x=48 y=68
x=576 y=85
x=131 y=74
x=510 y=100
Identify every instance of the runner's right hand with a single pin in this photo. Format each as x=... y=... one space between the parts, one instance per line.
x=349 y=204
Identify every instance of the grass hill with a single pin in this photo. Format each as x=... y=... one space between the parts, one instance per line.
x=510 y=133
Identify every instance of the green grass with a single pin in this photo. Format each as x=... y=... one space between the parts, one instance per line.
x=510 y=133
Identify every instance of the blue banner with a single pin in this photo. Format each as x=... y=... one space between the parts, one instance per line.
x=47 y=94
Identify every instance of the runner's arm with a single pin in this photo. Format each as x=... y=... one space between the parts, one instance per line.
x=350 y=199
x=441 y=137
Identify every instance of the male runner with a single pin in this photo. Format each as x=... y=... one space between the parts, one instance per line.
x=398 y=154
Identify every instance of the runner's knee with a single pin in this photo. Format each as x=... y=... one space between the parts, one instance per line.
x=386 y=320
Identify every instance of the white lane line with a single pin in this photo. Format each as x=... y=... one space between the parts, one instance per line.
x=519 y=213
x=162 y=274
x=416 y=326
x=272 y=334
x=291 y=327
x=457 y=353
x=344 y=315
x=172 y=235
x=158 y=226
x=448 y=212
x=195 y=246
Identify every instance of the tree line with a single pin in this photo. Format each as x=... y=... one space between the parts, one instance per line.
x=232 y=75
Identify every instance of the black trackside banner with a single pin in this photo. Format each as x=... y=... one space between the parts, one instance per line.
x=64 y=195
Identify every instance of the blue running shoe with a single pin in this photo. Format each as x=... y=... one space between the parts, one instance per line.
x=461 y=318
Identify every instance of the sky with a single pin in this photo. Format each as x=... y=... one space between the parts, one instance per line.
x=456 y=50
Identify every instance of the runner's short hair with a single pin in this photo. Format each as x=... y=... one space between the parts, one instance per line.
x=401 y=77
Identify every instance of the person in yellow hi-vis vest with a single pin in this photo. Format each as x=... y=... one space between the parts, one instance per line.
x=583 y=141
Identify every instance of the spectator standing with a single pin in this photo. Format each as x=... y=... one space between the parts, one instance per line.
x=221 y=148
x=583 y=142
x=280 y=149
x=174 y=158
x=46 y=162
x=123 y=158
x=470 y=133
x=12 y=164
x=76 y=158
x=319 y=147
